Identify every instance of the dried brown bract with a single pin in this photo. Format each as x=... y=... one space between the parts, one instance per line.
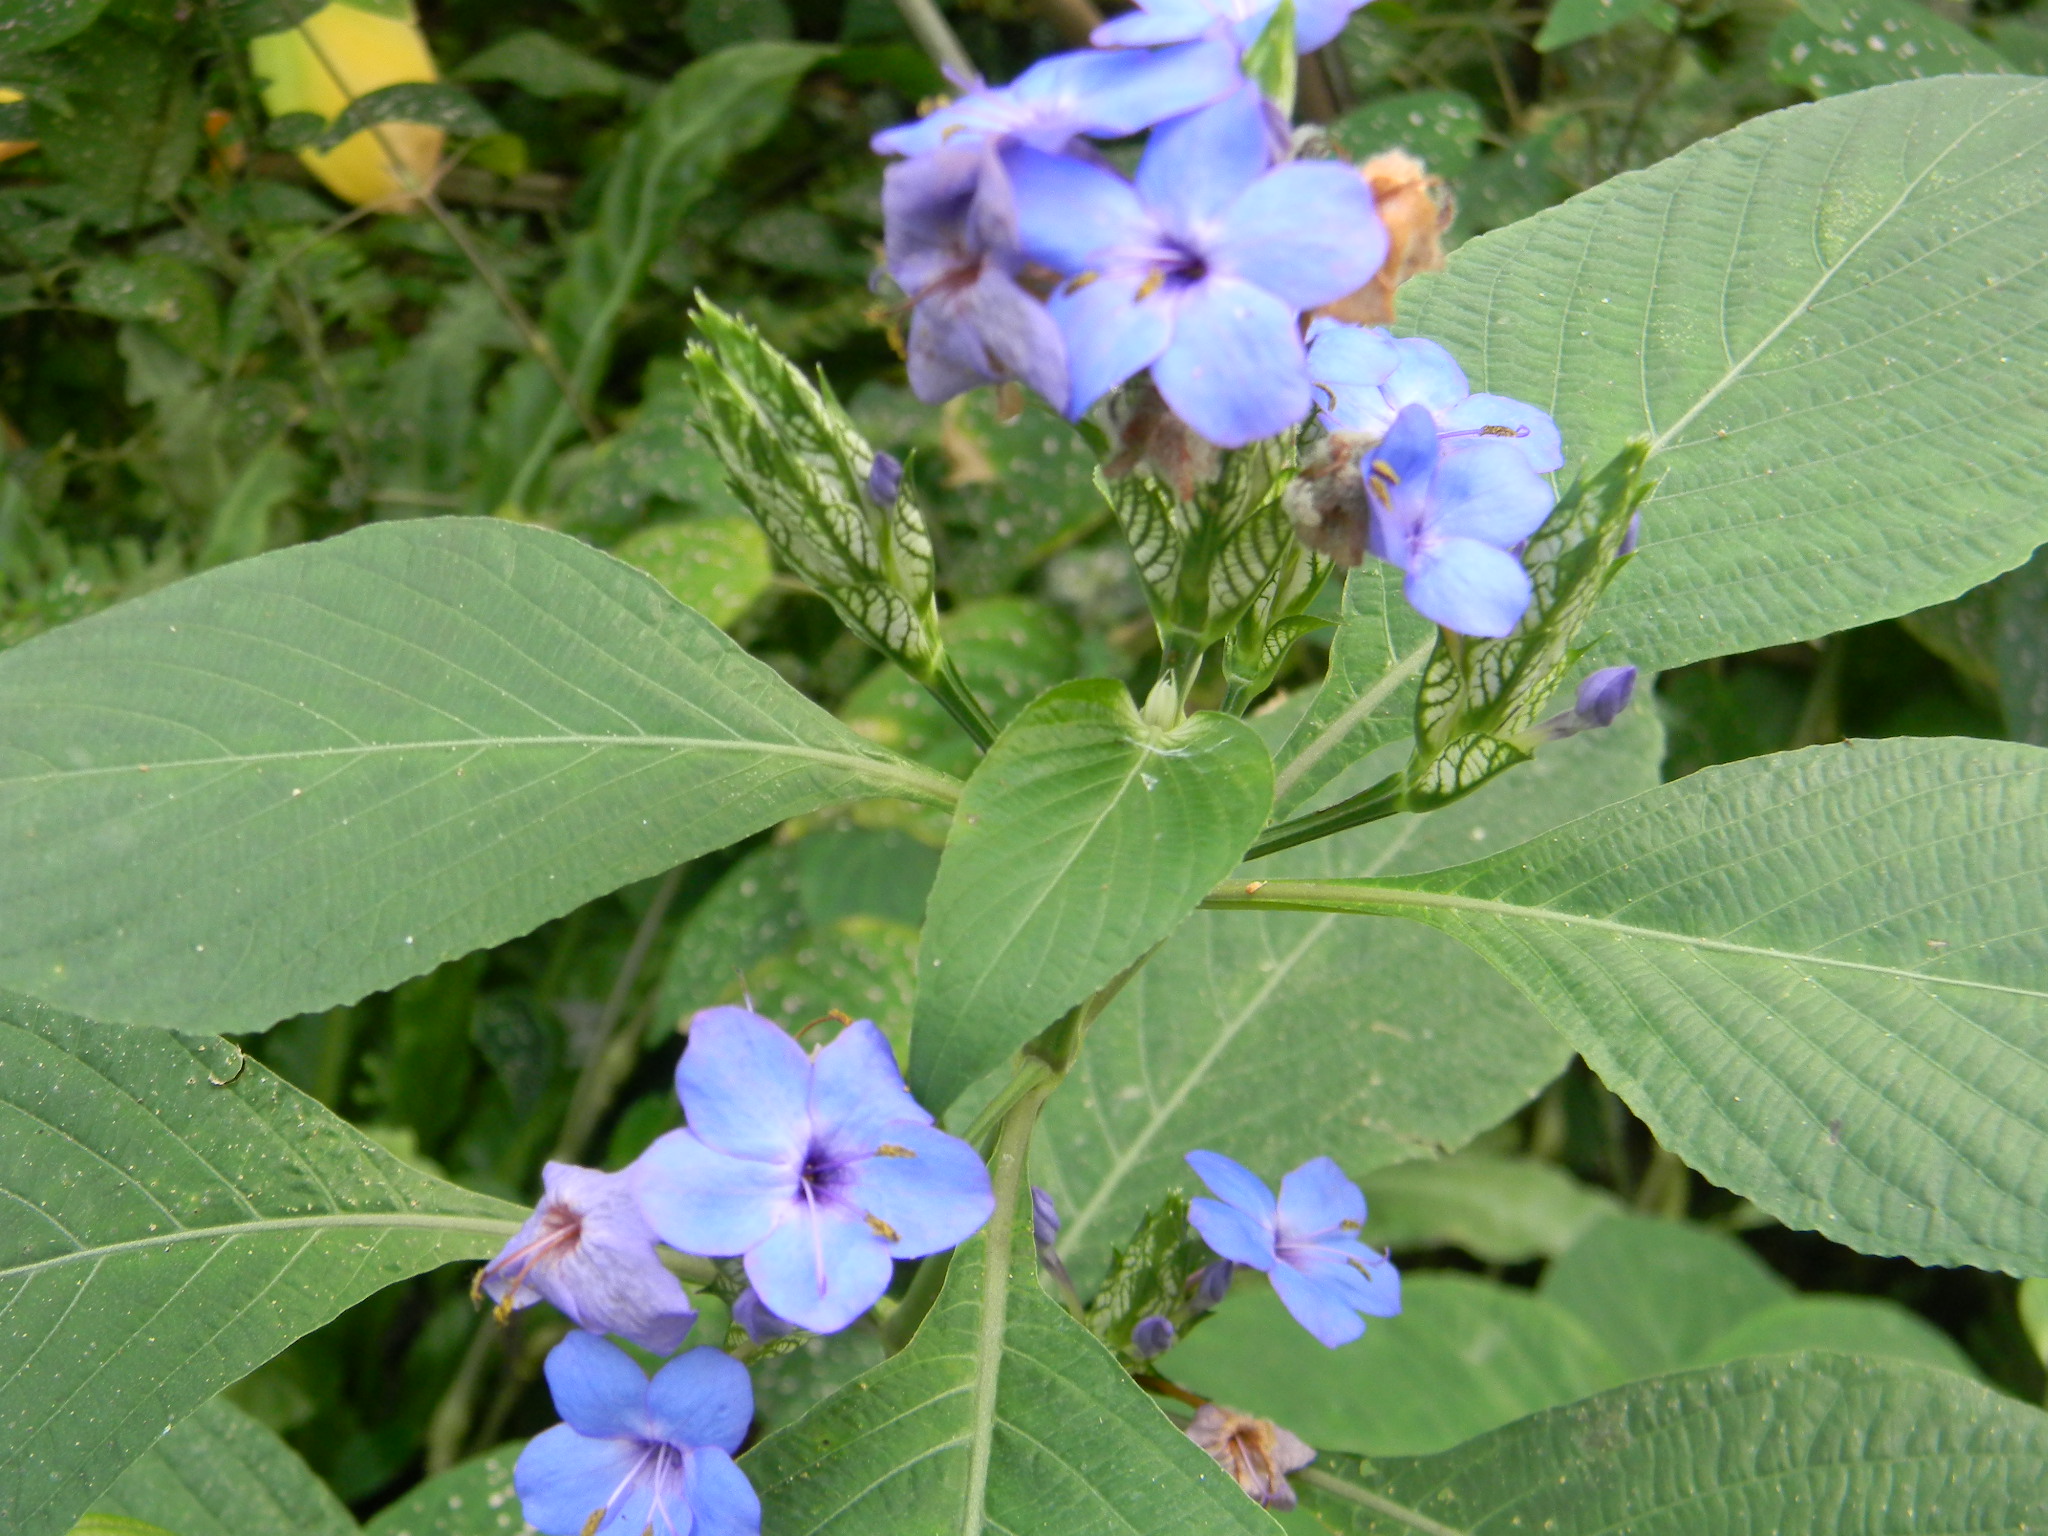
x=1417 y=208
x=1257 y=1452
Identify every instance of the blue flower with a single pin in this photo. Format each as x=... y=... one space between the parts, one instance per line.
x=1200 y=269
x=588 y=1249
x=1451 y=521
x=1601 y=699
x=1306 y=1242
x=951 y=245
x=821 y=1170
x=1316 y=22
x=635 y=1455
x=1366 y=377
x=1104 y=95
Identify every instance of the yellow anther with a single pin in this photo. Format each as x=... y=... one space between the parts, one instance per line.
x=882 y=1229
x=1154 y=281
x=890 y=1149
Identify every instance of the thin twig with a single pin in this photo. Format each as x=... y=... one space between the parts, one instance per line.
x=935 y=35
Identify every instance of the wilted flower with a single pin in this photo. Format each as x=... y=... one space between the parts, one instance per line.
x=588 y=1249
x=821 y=1170
x=1417 y=209
x=1306 y=1242
x=1257 y=1452
x=634 y=1455
x=1199 y=268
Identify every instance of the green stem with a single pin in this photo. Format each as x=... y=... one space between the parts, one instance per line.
x=933 y=35
x=945 y=684
x=1374 y=804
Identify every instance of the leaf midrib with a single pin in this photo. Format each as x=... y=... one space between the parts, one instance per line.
x=1361 y=899
x=926 y=783
x=1350 y=717
x=489 y=1226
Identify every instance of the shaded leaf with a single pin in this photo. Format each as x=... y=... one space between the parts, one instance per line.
x=1440 y=128
x=474 y=1499
x=175 y=1216
x=434 y=103
x=1832 y=46
x=1573 y=21
x=716 y=562
x=1849 y=1325
x=1504 y=1210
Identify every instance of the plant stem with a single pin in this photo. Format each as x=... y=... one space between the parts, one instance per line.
x=935 y=35
x=448 y=1429
x=1374 y=804
x=617 y=1049
x=945 y=684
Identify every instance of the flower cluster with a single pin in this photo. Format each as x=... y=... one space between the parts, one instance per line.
x=1024 y=255
x=817 y=1171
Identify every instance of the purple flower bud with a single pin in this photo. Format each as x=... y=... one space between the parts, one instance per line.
x=1630 y=539
x=885 y=479
x=752 y=1314
x=1153 y=1336
x=1045 y=1218
x=1212 y=1284
x=1604 y=695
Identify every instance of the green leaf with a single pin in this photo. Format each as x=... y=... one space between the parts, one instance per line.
x=1367 y=699
x=27 y=26
x=1466 y=1355
x=1084 y=838
x=435 y=103
x=307 y=776
x=1440 y=128
x=474 y=1499
x=1849 y=1325
x=1504 y=1210
x=1656 y=1292
x=1806 y=1445
x=1856 y=1041
x=2020 y=649
x=157 y=288
x=1573 y=21
x=1832 y=46
x=1020 y=489
x=1279 y=1037
x=1002 y=1414
x=220 y=1473
x=543 y=65
x=860 y=965
x=717 y=108
x=716 y=562
x=1795 y=367
x=174 y=1216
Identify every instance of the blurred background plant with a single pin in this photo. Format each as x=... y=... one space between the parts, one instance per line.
x=269 y=271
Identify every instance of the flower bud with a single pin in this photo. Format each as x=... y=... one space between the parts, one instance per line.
x=1152 y=1337
x=1045 y=1218
x=1213 y=1284
x=885 y=480
x=333 y=58
x=752 y=1314
x=1604 y=695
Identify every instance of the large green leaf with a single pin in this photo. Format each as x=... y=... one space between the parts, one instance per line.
x=303 y=777
x=1818 y=976
x=1805 y=1445
x=1002 y=1414
x=1277 y=1037
x=1832 y=46
x=1831 y=322
x=474 y=1499
x=1084 y=838
x=1505 y=1210
x=174 y=1215
x=1466 y=1355
x=1850 y=1325
x=1656 y=1292
x=220 y=1473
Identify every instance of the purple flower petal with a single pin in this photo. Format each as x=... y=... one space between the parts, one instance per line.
x=1427 y=375
x=1195 y=167
x=1152 y=1336
x=722 y=1501
x=1110 y=333
x=1401 y=476
x=1537 y=437
x=1349 y=363
x=1308 y=232
x=745 y=1085
x=1488 y=492
x=562 y=1478
x=1235 y=370
x=821 y=1268
x=701 y=1398
x=704 y=1202
x=931 y=1190
x=1317 y=1306
x=982 y=332
x=1604 y=695
x=1234 y=1235
x=1469 y=587
x=857 y=1089
x=1161 y=21
x=1234 y=1184
x=1318 y=1198
x=597 y=1388
x=1070 y=212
